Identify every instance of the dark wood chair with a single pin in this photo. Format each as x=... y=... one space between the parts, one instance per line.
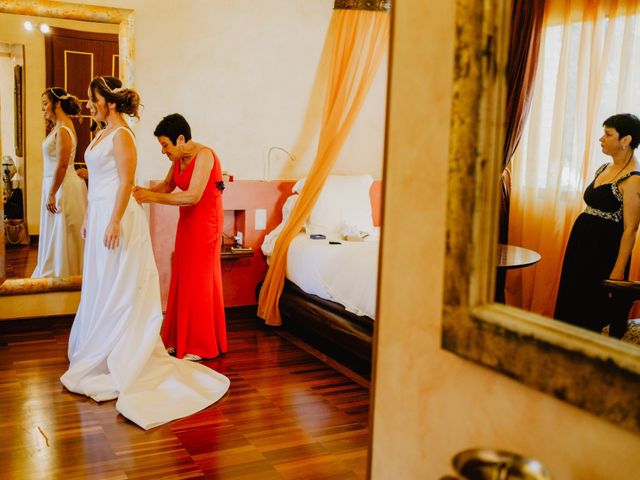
x=622 y=295
x=503 y=232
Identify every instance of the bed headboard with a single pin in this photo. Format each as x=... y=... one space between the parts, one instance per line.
x=241 y=199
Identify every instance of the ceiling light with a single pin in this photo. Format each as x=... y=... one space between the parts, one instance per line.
x=30 y=26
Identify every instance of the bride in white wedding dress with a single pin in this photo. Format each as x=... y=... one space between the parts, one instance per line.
x=115 y=350
x=64 y=194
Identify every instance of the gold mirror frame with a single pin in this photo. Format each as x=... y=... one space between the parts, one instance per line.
x=596 y=373
x=56 y=288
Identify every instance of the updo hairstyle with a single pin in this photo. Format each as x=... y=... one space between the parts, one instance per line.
x=127 y=100
x=69 y=104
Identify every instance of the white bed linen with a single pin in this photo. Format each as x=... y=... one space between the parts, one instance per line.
x=346 y=273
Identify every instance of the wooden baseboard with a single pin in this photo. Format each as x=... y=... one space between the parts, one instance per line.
x=244 y=311
x=36 y=324
x=343 y=369
x=38 y=305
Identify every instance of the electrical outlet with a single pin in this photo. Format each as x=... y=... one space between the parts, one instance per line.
x=261 y=219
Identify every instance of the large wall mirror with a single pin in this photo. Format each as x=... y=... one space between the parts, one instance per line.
x=78 y=39
x=590 y=370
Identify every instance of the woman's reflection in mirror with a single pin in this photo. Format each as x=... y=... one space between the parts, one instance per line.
x=64 y=194
x=603 y=236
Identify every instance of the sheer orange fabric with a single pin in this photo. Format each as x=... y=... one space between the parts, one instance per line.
x=361 y=39
x=586 y=72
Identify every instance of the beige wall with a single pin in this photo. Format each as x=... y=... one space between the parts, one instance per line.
x=244 y=75
x=12 y=31
x=428 y=403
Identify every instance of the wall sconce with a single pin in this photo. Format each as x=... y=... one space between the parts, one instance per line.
x=29 y=26
x=291 y=157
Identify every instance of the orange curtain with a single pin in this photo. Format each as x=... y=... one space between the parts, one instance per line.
x=524 y=44
x=360 y=40
x=587 y=70
x=526 y=28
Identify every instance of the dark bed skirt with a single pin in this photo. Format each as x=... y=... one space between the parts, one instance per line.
x=328 y=327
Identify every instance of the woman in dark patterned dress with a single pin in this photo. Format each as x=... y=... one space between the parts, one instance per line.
x=603 y=235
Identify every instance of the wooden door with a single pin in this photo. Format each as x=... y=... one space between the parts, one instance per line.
x=73 y=59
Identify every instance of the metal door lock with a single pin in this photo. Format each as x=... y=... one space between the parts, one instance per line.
x=490 y=464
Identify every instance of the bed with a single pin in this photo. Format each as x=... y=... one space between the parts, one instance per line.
x=329 y=298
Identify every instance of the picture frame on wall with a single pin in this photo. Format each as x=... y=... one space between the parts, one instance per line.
x=17 y=70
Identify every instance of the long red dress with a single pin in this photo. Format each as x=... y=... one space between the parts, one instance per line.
x=195 y=321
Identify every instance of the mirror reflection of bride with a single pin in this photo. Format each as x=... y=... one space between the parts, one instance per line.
x=64 y=194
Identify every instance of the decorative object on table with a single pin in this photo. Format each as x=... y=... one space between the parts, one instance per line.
x=15 y=227
x=8 y=170
x=15 y=232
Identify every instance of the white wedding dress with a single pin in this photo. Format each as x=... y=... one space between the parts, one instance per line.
x=60 y=245
x=115 y=348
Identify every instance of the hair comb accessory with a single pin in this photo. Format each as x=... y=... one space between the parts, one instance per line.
x=63 y=97
x=113 y=90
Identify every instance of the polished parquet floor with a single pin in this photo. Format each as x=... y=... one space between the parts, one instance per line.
x=287 y=416
x=21 y=260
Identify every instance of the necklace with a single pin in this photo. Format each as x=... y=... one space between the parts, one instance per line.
x=623 y=167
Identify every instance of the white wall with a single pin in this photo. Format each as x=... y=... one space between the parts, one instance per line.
x=243 y=73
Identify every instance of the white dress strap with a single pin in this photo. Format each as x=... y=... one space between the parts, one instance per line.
x=73 y=137
x=133 y=137
x=98 y=138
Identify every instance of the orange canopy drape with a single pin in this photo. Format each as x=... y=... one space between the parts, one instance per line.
x=360 y=40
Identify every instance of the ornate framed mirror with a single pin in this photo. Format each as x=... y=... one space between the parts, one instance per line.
x=596 y=373
x=60 y=295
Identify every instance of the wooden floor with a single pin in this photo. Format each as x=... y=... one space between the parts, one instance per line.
x=21 y=260
x=286 y=416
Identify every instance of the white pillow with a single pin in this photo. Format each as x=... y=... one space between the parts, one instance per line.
x=270 y=238
x=343 y=202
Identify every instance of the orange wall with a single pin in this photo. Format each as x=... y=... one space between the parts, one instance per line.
x=239 y=277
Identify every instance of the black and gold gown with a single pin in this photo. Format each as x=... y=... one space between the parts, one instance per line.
x=591 y=253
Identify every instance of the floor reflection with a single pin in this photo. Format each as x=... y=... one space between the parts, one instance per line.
x=287 y=415
x=21 y=260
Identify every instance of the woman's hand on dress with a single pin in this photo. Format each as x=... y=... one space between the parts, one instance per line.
x=140 y=194
x=83 y=173
x=112 y=236
x=51 y=203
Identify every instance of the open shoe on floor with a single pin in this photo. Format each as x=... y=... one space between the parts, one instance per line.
x=191 y=357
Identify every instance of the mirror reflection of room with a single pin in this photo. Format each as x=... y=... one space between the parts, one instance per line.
x=41 y=236
x=12 y=147
x=574 y=162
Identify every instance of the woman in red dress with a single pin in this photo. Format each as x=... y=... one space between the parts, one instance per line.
x=194 y=326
